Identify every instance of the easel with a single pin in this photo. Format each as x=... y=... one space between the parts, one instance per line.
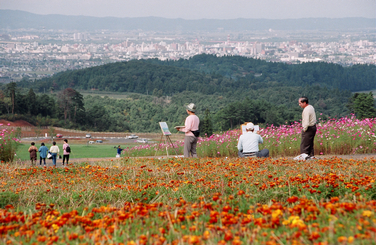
x=166 y=132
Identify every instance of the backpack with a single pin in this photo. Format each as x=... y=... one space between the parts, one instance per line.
x=67 y=149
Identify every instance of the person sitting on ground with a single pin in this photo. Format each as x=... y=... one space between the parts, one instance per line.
x=33 y=153
x=248 y=143
x=42 y=154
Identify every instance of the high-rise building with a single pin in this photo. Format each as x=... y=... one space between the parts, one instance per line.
x=174 y=46
x=259 y=47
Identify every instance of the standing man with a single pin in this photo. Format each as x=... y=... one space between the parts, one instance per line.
x=248 y=144
x=190 y=128
x=309 y=127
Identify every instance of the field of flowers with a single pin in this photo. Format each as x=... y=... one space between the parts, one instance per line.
x=191 y=201
x=334 y=137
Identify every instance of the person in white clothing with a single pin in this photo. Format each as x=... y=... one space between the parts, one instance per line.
x=54 y=150
x=308 y=127
x=248 y=144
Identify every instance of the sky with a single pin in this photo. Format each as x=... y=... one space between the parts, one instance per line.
x=200 y=9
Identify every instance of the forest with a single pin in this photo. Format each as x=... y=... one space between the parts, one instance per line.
x=227 y=91
x=207 y=74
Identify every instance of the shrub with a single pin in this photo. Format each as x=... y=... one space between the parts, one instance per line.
x=8 y=198
x=8 y=145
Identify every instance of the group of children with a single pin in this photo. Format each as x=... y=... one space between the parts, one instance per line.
x=54 y=152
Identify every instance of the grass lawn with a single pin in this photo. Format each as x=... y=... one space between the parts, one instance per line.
x=78 y=151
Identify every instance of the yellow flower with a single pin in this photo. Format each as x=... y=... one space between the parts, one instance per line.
x=367 y=213
x=276 y=213
x=350 y=239
x=55 y=227
x=290 y=220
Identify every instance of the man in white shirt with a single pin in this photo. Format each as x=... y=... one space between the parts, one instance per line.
x=248 y=143
x=308 y=127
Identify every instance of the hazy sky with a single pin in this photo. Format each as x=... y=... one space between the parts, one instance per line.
x=199 y=9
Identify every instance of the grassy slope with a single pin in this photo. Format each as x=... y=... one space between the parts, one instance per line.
x=78 y=151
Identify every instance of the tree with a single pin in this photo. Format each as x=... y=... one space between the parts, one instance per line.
x=31 y=100
x=79 y=109
x=38 y=131
x=362 y=105
x=18 y=133
x=11 y=90
x=51 y=131
x=65 y=102
x=5 y=101
x=207 y=125
x=96 y=117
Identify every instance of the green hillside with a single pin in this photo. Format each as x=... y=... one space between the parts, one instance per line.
x=227 y=91
x=259 y=72
x=208 y=74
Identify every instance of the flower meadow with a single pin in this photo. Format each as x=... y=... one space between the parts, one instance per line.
x=333 y=137
x=8 y=145
x=190 y=201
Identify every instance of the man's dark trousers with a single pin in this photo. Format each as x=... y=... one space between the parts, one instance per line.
x=308 y=137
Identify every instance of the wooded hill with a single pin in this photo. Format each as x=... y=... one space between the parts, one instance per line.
x=227 y=90
x=259 y=72
x=209 y=74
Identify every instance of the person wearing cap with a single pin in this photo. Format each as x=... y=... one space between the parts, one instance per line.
x=308 y=127
x=248 y=144
x=190 y=128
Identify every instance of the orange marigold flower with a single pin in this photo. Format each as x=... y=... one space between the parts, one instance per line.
x=206 y=235
x=73 y=236
x=236 y=242
x=162 y=230
x=228 y=236
x=314 y=235
x=334 y=199
x=342 y=239
x=194 y=240
x=292 y=199
x=41 y=239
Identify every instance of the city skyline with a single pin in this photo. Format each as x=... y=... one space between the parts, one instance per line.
x=194 y=9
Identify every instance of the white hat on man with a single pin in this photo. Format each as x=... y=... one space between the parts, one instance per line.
x=250 y=126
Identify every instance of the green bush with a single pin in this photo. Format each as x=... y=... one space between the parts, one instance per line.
x=8 y=197
x=8 y=145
